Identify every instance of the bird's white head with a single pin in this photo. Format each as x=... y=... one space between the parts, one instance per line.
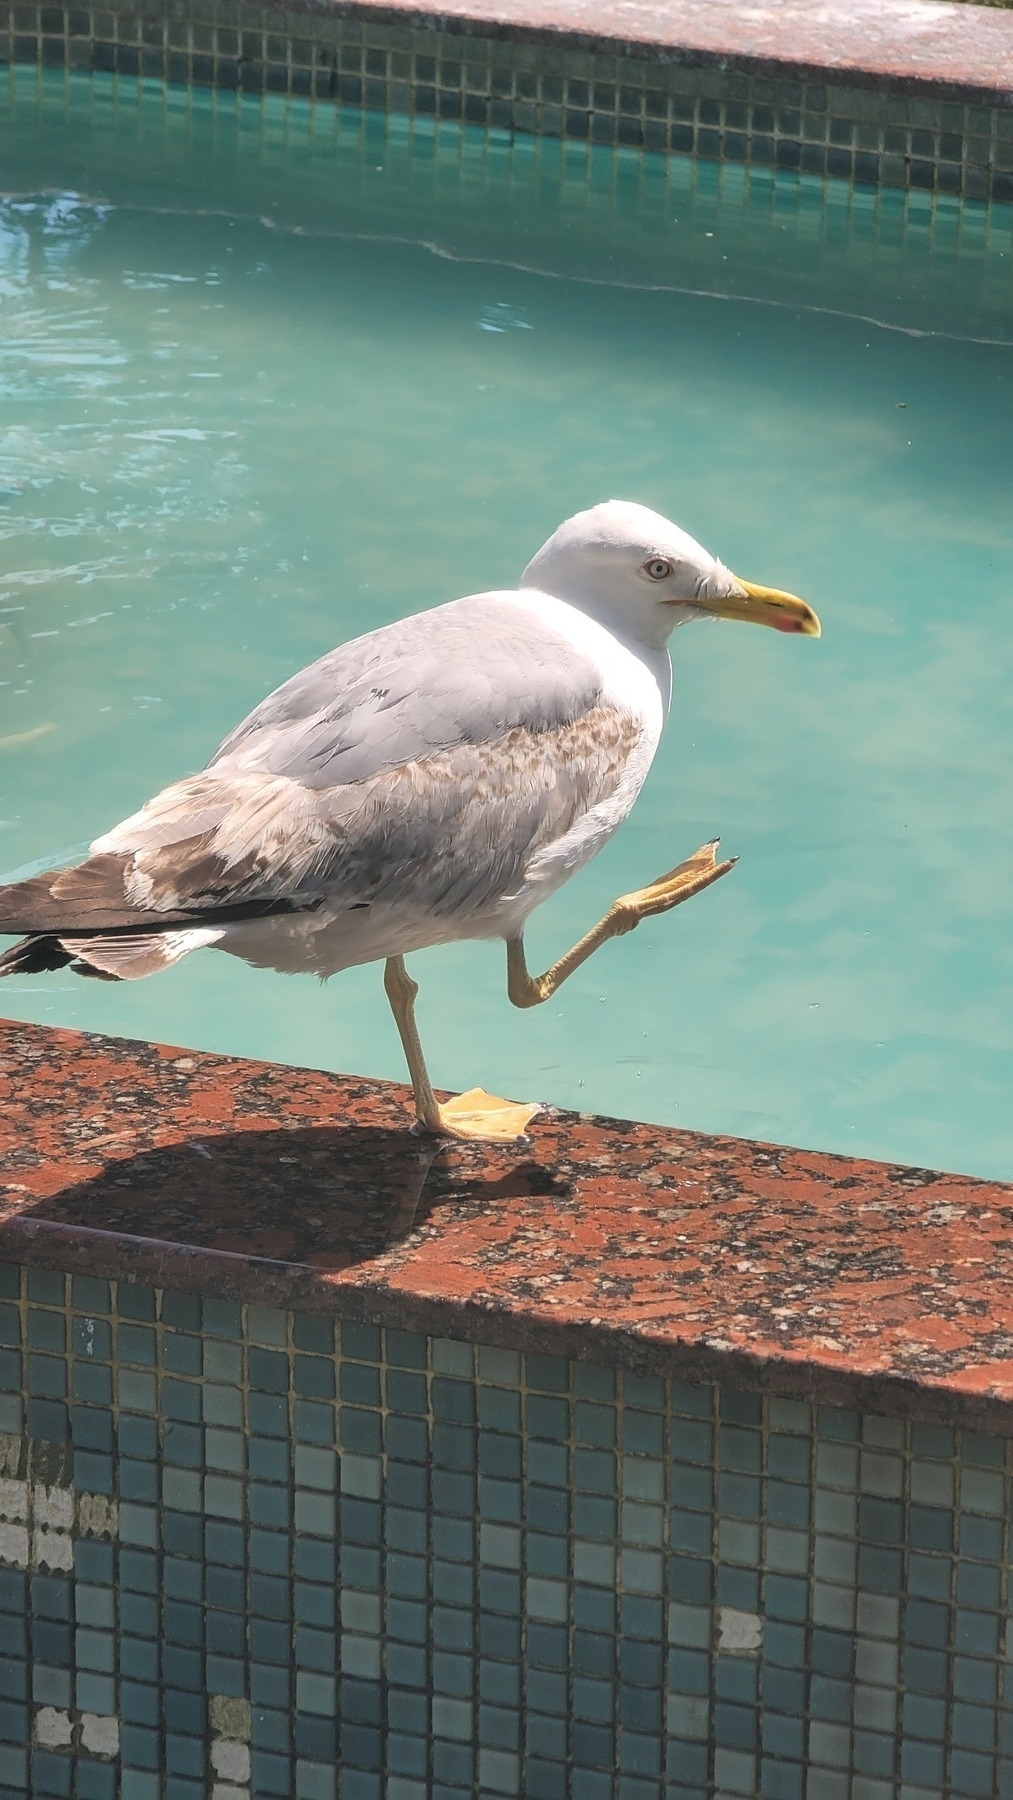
x=640 y=574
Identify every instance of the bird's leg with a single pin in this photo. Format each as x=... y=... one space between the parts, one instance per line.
x=691 y=876
x=475 y=1114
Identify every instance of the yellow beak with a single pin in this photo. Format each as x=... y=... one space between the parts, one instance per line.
x=764 y=606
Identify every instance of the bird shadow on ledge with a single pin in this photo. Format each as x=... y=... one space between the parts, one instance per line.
x=325 y=1197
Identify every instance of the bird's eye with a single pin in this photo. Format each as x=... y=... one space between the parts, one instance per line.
x=657 y=567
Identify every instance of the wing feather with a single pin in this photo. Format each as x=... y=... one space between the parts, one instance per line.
x=465 y=673
x=428 y=761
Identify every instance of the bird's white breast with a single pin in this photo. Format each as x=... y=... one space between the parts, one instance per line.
x=634 y=675
x=637 y=680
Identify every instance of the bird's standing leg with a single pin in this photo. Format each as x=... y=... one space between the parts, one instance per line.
x=691 y=876
x=475 y=1114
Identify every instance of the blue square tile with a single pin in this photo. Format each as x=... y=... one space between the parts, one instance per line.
x=499 y=1409
x=453 y=1771
x=406 y=1349
x=271 y=1774
x=310 y=1332
x=738 y=1588
x=594 y=1424
x=267 y=1414
x=136 y=1344
x=267 y=1459
x=405 y=1665
x=982 y=1451
x=406 y=1392
x=453 y=1492
x=225 y=1635
x=361 y=1748
x=179 y=1310
x=47 y=1288
x=51 y=1773
x=95 y=1474
x=361 y=1342
x=922 y=1764
x=453 y=1539
x=226 y=1675
x=315 y=1738
x=642 y=1433
x=13 y=1722
x=13 y=1592
x=139 y=1747
x=139 y=1701
x=47 y=1330
x=547 y=1416
x=693 y=1399
x=594 y=1609
x=789 y=1458
x=313 y=1422
x=315 y=1560
x=138 y=1437
x=51 y=1596
x=221 y=1318
x=95 y=1780
x=269 y=1505
x=267 y=1370
x=594 y=1471
x=837 y=1423
x=359 y=1430
x=270 y=1729
x=46 y=1376
x=90 y=1294
x=14 y=1681
x=407 y=1440
x=549 y=1374
x=359 y=1382
x=547 y=1464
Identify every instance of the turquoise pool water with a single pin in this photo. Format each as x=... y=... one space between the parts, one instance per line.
x=270 y=377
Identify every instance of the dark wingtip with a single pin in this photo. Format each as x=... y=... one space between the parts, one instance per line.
x=34 y=956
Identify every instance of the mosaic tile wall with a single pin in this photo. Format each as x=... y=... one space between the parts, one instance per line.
x=240 y=1548
x=862 y=134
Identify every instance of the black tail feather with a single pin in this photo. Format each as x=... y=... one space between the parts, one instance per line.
x=34 y=956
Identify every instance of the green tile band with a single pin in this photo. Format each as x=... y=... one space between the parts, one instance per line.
x=813 y=126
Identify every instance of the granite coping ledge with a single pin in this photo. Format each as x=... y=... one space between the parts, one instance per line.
x=775 y=1269
x=939 y=47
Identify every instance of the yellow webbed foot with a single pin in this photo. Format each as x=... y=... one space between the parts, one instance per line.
x=483 y=1118
x=699 y=871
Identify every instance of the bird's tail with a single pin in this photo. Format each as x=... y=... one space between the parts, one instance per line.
x=111 y=958
x=34 y=956
x=57 y=913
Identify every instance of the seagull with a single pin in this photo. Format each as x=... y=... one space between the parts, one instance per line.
x=432 y=781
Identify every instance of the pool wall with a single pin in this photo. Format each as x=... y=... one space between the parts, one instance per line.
x=253 y=1547
x=629 y=1464
x=926 y=106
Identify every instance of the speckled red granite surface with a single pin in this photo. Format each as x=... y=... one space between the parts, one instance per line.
x=893 y=43
x=885 y=1287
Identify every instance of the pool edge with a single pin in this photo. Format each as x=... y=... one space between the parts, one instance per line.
x=669 y=1252
x=924 y=108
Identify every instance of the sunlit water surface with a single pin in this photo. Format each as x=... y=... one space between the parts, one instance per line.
x=270 y=378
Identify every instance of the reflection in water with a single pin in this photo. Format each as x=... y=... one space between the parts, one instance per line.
x=276 y=382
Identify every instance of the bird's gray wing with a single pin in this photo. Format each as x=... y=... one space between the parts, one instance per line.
x=465 y=673
x=424 y=764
